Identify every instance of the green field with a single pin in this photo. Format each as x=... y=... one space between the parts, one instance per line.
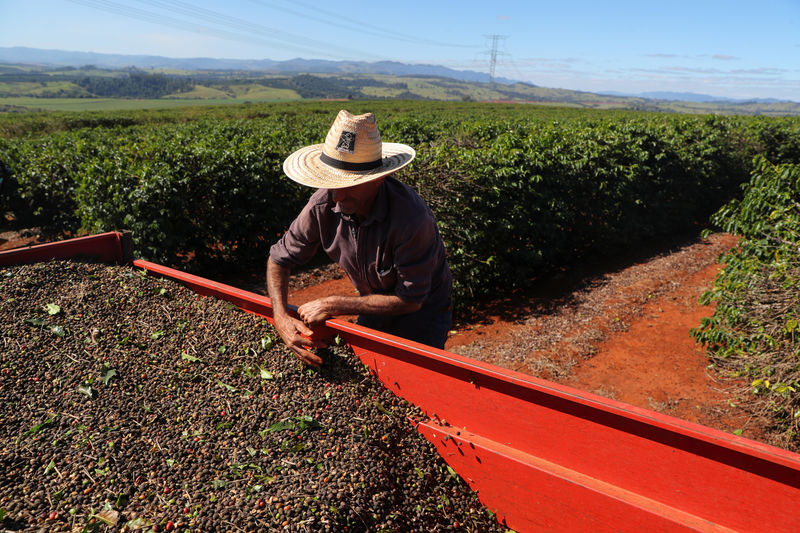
x=238 y=92
x=119 y=104
x=40 y=89
x=95 y=89
x=74 y=113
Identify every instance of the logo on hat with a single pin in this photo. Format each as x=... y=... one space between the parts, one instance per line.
x=347 y=142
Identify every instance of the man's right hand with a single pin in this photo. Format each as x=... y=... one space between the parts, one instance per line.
x=296 y=336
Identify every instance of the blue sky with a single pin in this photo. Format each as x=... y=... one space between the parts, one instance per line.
x=737 y=49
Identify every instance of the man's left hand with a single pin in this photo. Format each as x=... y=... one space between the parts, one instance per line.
x=316 y=311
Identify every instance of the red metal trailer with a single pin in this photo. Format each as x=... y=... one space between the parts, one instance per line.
x=543 y=456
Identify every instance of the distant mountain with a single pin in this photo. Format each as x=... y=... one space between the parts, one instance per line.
x=682 y=96
x=36 y=56
x=35 y=78
x=691 y=97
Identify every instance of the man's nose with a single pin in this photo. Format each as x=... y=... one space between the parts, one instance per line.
x=339 y=195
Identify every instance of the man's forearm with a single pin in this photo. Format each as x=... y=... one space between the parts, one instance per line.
x=278 y=287
x=317 y=311
x=372 y=304
x=294 y=333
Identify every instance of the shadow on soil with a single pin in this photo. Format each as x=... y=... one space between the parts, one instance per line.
x=558 y=289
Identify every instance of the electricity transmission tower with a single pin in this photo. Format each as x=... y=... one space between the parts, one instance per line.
x=493 y=54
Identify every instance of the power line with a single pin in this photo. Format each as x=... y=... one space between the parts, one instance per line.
x=351 y=24
x=227 y=27
x=215 y=17
x=185 y=25
x=493 y=54
x=164 y=20
x=517 y=72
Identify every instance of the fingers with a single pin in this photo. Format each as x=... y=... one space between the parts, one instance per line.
x=306 y=356
x=303 y=328
x=298 y=346
x=301 y=342
x=295 y=335
x=288 y=327
x=313 y=312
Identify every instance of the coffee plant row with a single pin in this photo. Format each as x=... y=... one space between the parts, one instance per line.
x=516 y=189
x=755 y=331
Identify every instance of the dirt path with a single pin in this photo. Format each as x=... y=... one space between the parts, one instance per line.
x=656 y=363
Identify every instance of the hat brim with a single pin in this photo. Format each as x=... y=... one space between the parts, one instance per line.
x=305 y=167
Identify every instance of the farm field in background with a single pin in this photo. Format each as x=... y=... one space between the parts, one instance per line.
x=120 y=104
x=59 y=87
x=76 y=113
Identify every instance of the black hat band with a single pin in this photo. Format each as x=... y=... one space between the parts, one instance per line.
x=346 y=165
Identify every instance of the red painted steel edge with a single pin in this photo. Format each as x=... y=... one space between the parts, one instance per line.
x=563 y=500
x=690 y=476
x=551 y=458
x=112 y=247
x=711 y=476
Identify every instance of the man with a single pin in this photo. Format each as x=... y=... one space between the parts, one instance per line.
x=376 y=228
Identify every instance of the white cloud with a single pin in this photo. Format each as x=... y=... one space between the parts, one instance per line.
x=691 y=70
x=765 y=71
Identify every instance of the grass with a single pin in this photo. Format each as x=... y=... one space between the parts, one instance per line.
x=36 y=89
x=381 y=92
x=241 y=91
x=113 y=104
x=256 y=91
x=201 y=92
x=42 y=116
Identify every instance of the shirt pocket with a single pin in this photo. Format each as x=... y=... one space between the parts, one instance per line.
x=387 y=278
x=385 y=271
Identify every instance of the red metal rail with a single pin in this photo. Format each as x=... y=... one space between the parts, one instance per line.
x=546 y=457
x=111 y=247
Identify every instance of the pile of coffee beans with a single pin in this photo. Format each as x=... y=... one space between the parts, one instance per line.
x=130 y=403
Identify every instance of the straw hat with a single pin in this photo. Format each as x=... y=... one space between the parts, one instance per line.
x=351 y=154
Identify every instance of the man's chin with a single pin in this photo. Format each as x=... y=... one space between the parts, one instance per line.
x=347 y=210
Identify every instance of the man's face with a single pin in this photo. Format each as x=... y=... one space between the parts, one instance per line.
x=357 y=200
